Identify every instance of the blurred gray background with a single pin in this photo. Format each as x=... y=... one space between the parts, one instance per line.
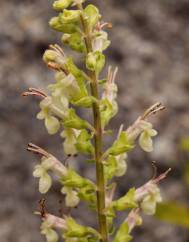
x=150 y=45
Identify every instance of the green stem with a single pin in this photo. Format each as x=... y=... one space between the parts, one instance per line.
x=97 y=139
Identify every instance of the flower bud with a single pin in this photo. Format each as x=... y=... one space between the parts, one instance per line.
x=50 y=56
x=75 y=41
x=70 y=16
x=56 y=24
x=92 y=15
x=61 y=4
x=95 y=61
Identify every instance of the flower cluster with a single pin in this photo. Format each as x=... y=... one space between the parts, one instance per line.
x=83 y=31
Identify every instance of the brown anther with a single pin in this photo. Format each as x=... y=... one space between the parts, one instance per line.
x=37 y=150
x=42 y=208
x=154 y=167
x=60 y=210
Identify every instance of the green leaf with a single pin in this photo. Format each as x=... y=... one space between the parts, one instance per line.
x=122 y=234
x=121 y=145
x=174 y=213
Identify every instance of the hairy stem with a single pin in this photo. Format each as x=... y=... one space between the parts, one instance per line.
x=97 y=140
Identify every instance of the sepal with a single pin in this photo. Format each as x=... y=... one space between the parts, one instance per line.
x=122 y=234
x=92 y=15
x=75 y=41
x=83 y=143
x=74 y=121
x=56 y=24
x=125 y=202
x=62 y=4
x=121 y=145
x=95 y=61
x=70 y=16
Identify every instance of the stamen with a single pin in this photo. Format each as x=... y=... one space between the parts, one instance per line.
x=37 y=150
x=112 y=191
x=120 y=130
x=54 y=66
x=106 y=24
x=114 y=74
x=154 y=167
x=152 y=110
x=34 y=92
x=162 y=176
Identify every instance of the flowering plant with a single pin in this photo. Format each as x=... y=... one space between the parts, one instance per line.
x=84 y=32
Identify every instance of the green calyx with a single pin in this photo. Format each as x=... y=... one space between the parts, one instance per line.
x=95 y=61
x=62 y=4
x=121 y=145
x=75 y=42
x=122 y=234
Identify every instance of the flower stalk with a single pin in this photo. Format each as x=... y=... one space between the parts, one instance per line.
x=97 y=139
